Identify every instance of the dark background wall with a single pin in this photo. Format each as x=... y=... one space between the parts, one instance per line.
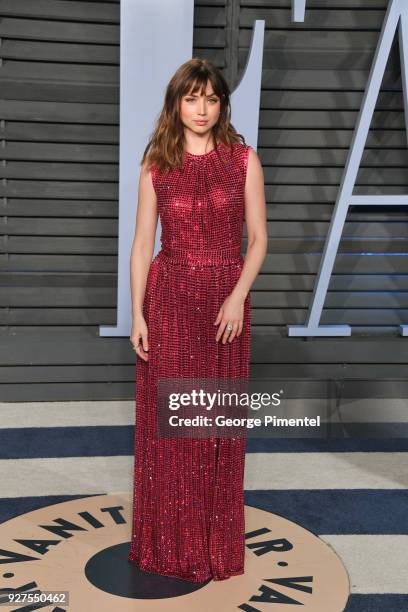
x=59 y=78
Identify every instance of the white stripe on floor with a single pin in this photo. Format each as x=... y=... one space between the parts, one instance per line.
x=268 y=471
x=326 y=470
x=375 y=563
x=65 y=476
x=85 y=413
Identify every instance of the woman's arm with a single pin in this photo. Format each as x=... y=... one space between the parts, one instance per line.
x=141 y=254
x=257 y=232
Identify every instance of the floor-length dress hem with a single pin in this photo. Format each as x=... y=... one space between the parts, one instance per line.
x=198 y=578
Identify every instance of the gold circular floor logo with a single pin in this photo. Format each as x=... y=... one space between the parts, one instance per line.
x=81 y=547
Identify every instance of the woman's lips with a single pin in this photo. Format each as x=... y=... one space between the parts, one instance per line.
x=201 y=122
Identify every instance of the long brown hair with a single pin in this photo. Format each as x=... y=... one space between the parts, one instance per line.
x=165 y=148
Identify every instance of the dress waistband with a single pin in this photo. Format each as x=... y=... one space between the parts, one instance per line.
x=203 y=257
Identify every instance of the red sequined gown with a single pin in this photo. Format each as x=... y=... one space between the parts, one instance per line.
x=188 y=501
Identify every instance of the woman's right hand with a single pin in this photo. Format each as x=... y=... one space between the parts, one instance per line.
x=140 y=332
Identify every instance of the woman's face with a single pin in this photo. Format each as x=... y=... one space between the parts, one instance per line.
x=199 y=112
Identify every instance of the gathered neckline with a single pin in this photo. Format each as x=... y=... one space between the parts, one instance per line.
x=204 y=154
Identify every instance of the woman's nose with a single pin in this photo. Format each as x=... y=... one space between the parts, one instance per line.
x=203 y=107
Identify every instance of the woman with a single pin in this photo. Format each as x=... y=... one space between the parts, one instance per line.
x=191 y=318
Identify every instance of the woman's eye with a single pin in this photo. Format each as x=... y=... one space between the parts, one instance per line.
x=192 y=100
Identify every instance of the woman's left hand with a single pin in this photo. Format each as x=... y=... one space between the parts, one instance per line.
x=231 y=311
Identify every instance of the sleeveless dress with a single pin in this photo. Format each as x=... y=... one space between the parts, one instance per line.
x=188 y=499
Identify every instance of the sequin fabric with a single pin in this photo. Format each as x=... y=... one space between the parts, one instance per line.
x=188 y=500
